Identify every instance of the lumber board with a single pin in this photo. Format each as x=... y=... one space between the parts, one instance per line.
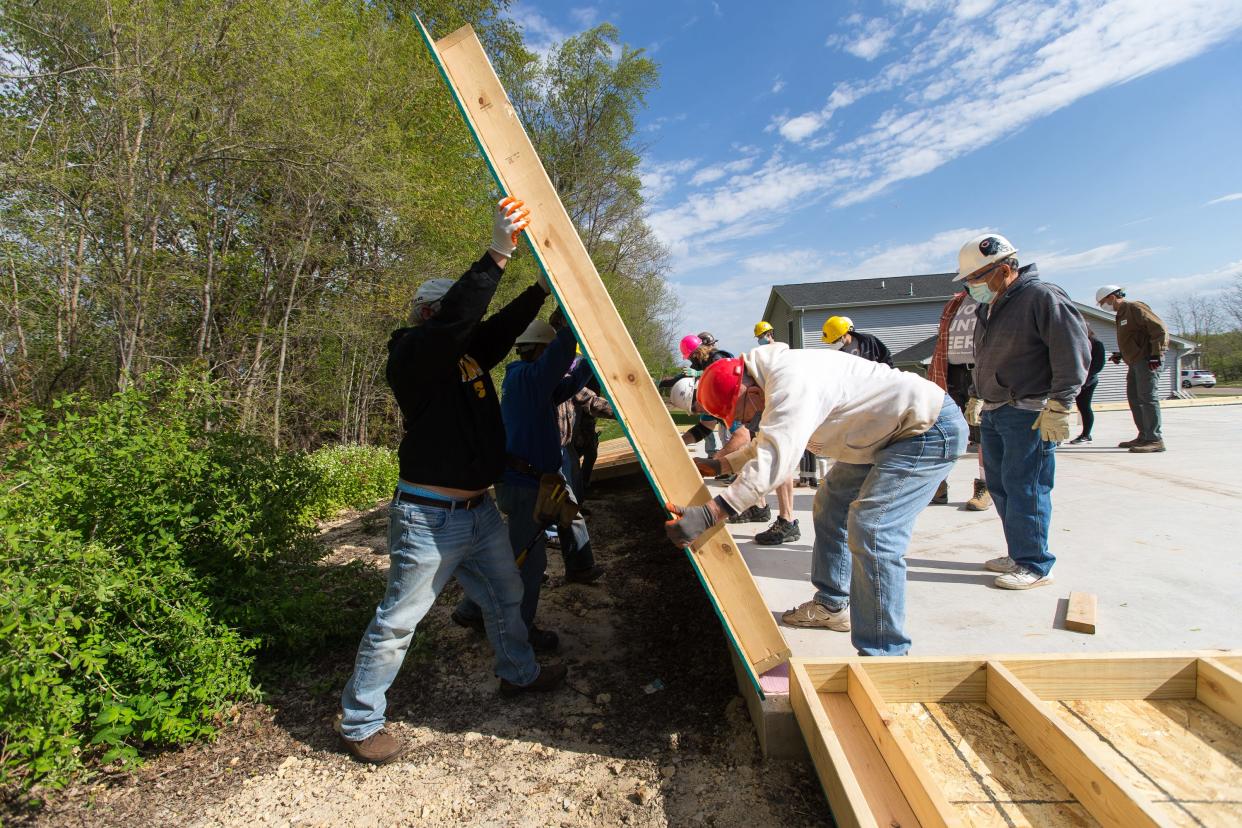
x=605 y=342
x=924 y=796
x=1080 y=613
x=1084 y=769
x=1220 y=687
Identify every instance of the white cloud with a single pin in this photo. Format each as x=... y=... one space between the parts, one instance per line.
x=709 y=174
x=658 y=179
x=868 y=40
x=777 y=85
x=540 y=34
x=1103 y=256
x=585 y=16
x=1225 y=198
x=802 y=126
x=1165 y=289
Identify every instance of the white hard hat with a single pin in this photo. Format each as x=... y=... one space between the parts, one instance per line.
x=536 y=333
x=428 y=293
x=1108 y=290
x=980 y=252
x=681 y=395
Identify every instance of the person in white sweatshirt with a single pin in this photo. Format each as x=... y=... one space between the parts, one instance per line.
x=894 y=436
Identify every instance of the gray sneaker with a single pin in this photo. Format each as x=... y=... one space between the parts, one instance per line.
x=1005 y=564
x=815 y=615
x=1021 y=578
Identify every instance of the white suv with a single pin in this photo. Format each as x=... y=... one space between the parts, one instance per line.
x=1205 y=378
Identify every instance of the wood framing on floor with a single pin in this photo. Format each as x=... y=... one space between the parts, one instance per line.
x=1136 y=739
x=606 y=342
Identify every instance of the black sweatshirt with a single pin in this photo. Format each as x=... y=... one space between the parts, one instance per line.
x=438 y=371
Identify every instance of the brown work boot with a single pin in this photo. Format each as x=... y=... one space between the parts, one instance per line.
x=1129 y=443
x=551 y=676
x=379 y=748
x=942 y=493
x=1147 y=447
x=982 y=501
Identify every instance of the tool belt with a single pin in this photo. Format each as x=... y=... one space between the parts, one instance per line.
x=555 y=504
x=517 y=464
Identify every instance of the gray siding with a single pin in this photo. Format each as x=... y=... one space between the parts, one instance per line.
x=897 y=325
x=780 y=318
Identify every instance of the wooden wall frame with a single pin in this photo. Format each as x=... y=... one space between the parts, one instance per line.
x=876 y=773
x=488 y=113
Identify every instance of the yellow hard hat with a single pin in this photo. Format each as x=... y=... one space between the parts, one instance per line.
x=837 y=327
x=761 y=328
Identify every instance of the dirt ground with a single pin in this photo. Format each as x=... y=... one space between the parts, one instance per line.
x=611 y=749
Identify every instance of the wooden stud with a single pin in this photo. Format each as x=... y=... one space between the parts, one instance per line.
x=1220 y=688
x=921 y=792
x=1080 y=614
x=1080 y=766
x=560 y=252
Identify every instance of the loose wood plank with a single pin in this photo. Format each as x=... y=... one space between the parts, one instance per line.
x=1220 y=688
x=605 y=341
x=1080 y=614
x=1081 y=766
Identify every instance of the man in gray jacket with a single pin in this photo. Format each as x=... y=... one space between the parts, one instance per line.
x=1030 y=360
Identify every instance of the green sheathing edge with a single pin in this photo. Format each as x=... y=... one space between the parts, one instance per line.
x=733 y=642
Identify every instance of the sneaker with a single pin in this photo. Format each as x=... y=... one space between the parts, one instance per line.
x=982 y=500
x=467 y=621
x=755 y=514
x=1147 y=447
x=1005 y=564
x=1081 y=438
x=584 y=576
x=942 y=493
x=725 y=478
x=551 y=676
x=543 y=641
x=1022 y=578
x=379 y=748
x=1129 y=443
x=815 y=615
x=779 y=532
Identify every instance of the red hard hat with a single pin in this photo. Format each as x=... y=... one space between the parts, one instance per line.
x=720 y=386
x=689 y=344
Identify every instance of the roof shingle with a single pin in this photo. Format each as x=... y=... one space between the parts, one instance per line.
x=858 y=291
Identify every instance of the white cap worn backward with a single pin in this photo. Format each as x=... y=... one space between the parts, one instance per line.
x=536 y=333
x=428 y=293
x=980 y=252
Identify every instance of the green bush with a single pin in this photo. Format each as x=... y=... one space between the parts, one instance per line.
x=148 y=553
x=353 y=476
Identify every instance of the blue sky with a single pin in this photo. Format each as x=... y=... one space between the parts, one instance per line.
x=811 y=141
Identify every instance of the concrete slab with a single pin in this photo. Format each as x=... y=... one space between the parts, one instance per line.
x=1157 y=537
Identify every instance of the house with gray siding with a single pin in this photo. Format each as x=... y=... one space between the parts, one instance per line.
x=904 y=312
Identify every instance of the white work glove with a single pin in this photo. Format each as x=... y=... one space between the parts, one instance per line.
x=974 y=411
x=1053 y=422
x=511 y=218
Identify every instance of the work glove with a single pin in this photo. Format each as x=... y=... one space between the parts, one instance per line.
x=511 y=218
x=1053 y=422
x=1115 y=359
x=1154 y=363
x=707 y=466
x=974 y=411
x=691 y=521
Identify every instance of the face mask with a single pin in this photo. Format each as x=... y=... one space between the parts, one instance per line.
x=836 y=346
x=981 y=293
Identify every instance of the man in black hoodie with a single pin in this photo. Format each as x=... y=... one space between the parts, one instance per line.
x=1030 y=360
x=442 y=523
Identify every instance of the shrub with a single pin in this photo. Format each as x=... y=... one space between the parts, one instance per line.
x=353 y=476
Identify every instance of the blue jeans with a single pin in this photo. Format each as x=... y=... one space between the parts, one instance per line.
x=575 y=539
x=1019 y=468
x=518 y=504
x=864 y=516
x=427 y=546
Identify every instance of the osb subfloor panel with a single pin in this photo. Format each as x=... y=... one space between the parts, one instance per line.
x=985 y=771
x=1184 y=757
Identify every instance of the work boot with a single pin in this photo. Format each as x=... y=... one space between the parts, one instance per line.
x=1129 y=443
x=551 y=676
x=380 y=748
x=779 y=532
x=1021 y=578
x=1005 y=564
x=942 y=493
x=755 y=514
x=815 y=615
x=725 y=478
x=584 y=576
x=982 y=501
x=1147 y=447
x=466 y=621
x=543 y=641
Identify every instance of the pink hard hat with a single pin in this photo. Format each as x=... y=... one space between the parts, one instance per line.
x=689 y=344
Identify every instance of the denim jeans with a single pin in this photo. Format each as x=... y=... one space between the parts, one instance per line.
x=518 y=504
x=864 y=516
x=575 y=539
x=1019 y=468
x=1144 y=402
x=427 y=546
